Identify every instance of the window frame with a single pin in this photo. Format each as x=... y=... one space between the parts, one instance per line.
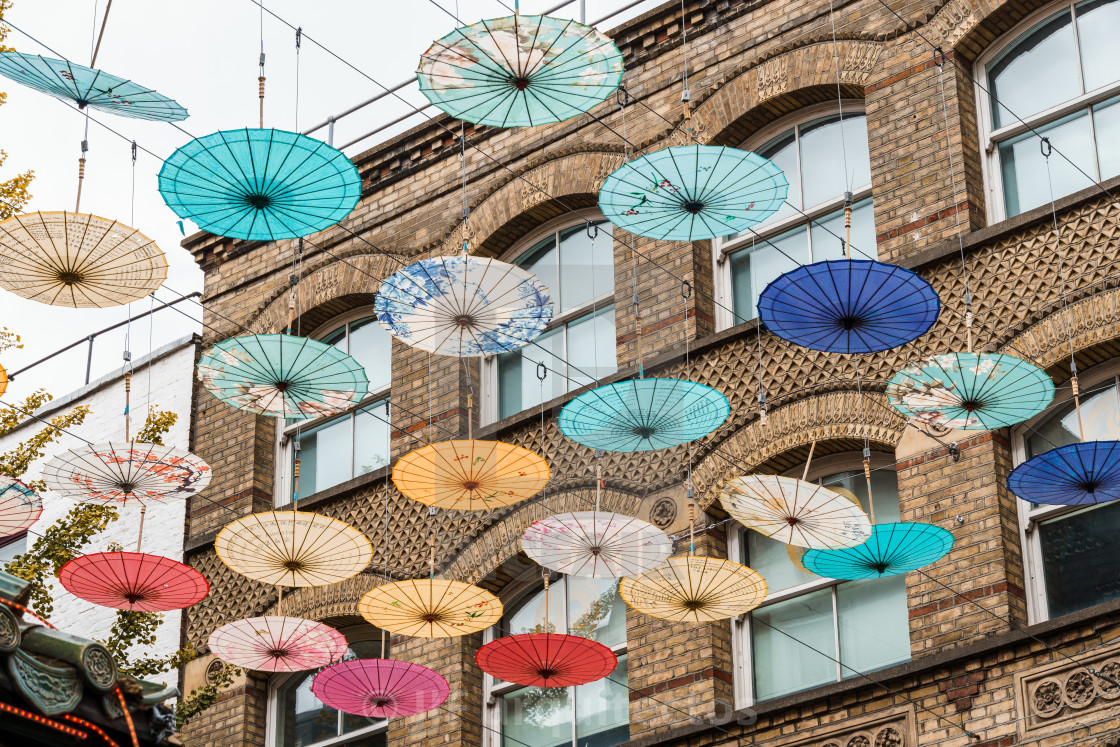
x=1031 y=517
x=490 y=399
x=284 y=433
x=515 y=592
x=992 y=137
x=722 y=249
x=353 y=634
x=741 y=625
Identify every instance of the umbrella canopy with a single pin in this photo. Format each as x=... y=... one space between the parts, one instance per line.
x=89 y=87
x=3 y=381
x=891 y=550
x=520 y=71
x=126 y=472
x=643 y=415
x=694 y=589
x=849 y=306
x=293 y=548
x=795 y=512
x=277 y=644
x=1073 y=475
x=260 y=185
x=470 y=475
x=380 y=688
x=463 y=305
x=693 y=192
x=430 y=608
x=971 y=391
x=133 y=581
x=599 y=544
x=546 y=660
x=20 y=506
x=282 y=376
x=78 y=260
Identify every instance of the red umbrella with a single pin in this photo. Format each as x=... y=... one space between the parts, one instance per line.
x=20 y=506
x=546 y=659
x=134 y=581
x=380 y=688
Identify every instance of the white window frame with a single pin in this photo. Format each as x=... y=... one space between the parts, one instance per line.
x=743 y=676
x=1031 y=516
x=285 y=433
x=490 y=398
x=353 y=634
x=722 y=250
x=991 y=137
x=492 y=689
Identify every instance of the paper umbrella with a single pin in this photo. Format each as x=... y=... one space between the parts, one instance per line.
x=795 y=512
x=599 y=544
x=380 y=688
x=692 y=588
x=892 y=549
x=126 y=472
x=20 y=506
x=430 y=608
x=470 y=475
x=1077 y=474
x=133 y=581
x=277 y=644
x=546 y=659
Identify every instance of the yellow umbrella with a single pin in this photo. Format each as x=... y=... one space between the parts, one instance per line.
x=78 y=260
x=293 y=548
x=430 y=608
x=3 y=381
x=694 y=589
x=469 y=475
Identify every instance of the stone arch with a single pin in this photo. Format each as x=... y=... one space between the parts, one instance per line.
x=834 y=417
x=770 y=89
x=321 y=602
x=541 y=193
x=331 y=289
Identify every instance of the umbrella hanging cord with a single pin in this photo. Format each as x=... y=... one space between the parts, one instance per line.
x=260 y=78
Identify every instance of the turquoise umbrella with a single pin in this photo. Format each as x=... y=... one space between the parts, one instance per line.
x=88 y=87
x=260 y=185
x=693 y=192
x=520 y=71
x=282 y=376
x=891 y=550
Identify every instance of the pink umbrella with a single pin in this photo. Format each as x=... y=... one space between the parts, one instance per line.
x=277 y=644
x=380 y=688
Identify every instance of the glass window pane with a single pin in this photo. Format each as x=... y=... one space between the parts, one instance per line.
x=371 y=438
x=302 y=718
x=1106 y=127
x=518 y=385
x=828 y=234
x=1080 y=566
x=1098 y=26
x=541 y=261
x=884 y=485
x=783 y=665
x=529 y=616
x=591 y=348
x=1025 y=183
x=753 y=269
x=874 y=624
x=325 y=456
x=1099 y=414
x=540 y=716
x=825 y=155
x=596 y=610
x=372 y=347
x=603 y=710
x=1037 y=72
x=779 y=564
x=782 y=150
x=584 y=275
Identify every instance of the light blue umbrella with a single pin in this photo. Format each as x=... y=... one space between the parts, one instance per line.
x=88 y=87
x=260 y=185
x=693 y=192
x=891 y=550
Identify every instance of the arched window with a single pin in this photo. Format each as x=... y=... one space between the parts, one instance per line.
x=1054 y=75
x=1066 y=547
x=576 y=263
x=341 y=447
x=296 y=718
x=820 y=157
x=594 y=714
x=852 y=625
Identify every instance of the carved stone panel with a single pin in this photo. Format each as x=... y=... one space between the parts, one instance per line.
x=1049 y=697
x=895 y=728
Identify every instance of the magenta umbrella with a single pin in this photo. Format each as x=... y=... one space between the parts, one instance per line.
x=380 y=688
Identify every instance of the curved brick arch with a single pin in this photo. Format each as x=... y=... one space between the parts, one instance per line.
x=768 y=90
x=531 y=198
x=834 y=416
x=1093 y=323
x=323 y=602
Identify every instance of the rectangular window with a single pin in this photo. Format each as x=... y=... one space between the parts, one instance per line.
x=343 y=448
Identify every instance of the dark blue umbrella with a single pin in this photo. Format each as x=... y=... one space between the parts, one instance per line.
x=849 y=306
x=891 y=550
x=1074 y=475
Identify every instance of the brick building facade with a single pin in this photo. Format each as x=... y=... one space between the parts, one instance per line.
x=997 y=643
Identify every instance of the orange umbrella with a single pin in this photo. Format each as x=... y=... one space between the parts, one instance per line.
x=3 y=381
x=469 y=475
x=430 y=608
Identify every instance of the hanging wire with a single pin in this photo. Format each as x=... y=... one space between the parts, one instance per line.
x=260 y=78
x=299 y=35
x=848 y=176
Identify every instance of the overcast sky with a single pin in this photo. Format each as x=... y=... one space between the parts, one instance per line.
x=203 y=54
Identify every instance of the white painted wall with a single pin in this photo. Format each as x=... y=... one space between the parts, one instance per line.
x=172 y=373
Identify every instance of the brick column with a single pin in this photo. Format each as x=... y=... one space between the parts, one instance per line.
x=237 y=719
x=456 y=722
x=443 y=399
x=984 y=571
